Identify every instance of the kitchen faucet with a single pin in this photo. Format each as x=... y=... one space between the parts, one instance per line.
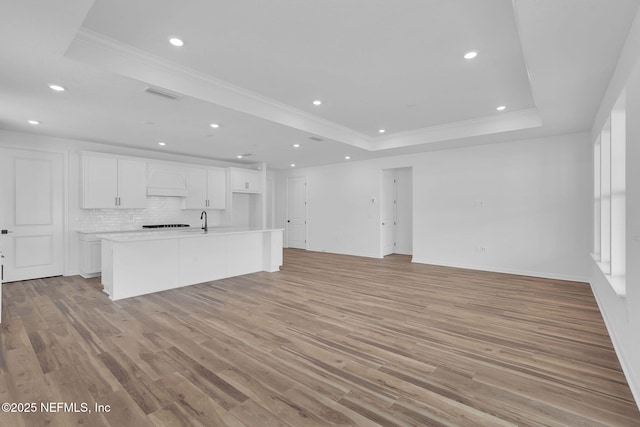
x=204 y=214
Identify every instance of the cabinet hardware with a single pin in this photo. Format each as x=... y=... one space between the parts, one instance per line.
x=6 y=231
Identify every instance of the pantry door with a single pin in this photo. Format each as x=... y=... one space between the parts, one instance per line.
x=31 y=214
x=297 y=212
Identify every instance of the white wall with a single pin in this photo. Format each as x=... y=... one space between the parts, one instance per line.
x=622 y=313
x=520 y=207
x=535 y=220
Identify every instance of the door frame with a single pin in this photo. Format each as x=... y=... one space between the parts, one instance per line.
x=399 y=201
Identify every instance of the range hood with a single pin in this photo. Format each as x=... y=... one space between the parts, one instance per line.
x=166 y=180
x=164 y=191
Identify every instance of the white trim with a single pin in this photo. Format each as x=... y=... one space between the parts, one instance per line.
x=126 y=60
x=617 y=283
x=512 y=121
x=344 y=253
x=543 y=275
x=120 y=58
x=618 y=348
x=401 y=252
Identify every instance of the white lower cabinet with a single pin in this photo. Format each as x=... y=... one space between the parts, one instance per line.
x=138 y=267
x=90 y=256
x=245 y=253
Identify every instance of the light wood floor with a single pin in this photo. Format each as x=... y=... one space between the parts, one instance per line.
x=329 y=340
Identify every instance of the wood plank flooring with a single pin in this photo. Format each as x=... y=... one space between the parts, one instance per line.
x=329 y=340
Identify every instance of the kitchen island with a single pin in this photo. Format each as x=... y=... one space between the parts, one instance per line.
x=140 y=263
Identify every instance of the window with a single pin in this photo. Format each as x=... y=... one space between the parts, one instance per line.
x=609 y=238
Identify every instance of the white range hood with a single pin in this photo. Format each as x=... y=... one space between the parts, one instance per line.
x=166 y=179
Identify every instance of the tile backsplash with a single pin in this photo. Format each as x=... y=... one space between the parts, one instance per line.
x=159 y=210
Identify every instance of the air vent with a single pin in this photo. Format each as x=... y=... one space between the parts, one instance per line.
x=315 y=138
x=162 y=92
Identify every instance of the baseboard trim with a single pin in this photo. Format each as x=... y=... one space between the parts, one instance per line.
x=344 y=253
x=540 y=274
x=626 y=367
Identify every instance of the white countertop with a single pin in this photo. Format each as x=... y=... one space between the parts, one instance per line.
x=139 y=235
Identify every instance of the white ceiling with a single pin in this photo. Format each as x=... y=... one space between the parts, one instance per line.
x=255 y=67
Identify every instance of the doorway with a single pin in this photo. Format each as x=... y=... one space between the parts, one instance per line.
x=396 y=211
x=31 y=214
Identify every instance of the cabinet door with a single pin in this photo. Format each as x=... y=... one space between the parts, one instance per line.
x=255 y=182
x=99 y=182
x=132 y=184
x=246 y=181
x=216 y=188
x=196 y=189
x=91 y=260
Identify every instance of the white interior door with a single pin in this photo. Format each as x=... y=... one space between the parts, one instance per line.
x=388 y=212
x=297 y=212
x=31 y=214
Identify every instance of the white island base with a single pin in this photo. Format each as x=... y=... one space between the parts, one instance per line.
x=142 y=263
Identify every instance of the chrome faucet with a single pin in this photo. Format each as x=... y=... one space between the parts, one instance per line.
x=204 y=214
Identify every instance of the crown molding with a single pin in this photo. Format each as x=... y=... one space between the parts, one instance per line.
x=106 y=53
x=498 y=123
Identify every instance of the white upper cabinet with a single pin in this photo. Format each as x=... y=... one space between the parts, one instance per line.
x=112 y=182
x=206 y=188
x=246 y=181
x=132 y=184
x=217 y=188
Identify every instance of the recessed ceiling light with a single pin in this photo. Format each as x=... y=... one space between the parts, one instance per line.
x=382 y=130
x=317 y=102
x=214 y=125
x=470 y=55
x=296 y=145
x=33 y=122
x=57 y=88
x=293 y=165
x=176 y=42
x=347 y=157
x=239 y=156
x=501 y=108
x=162 y=143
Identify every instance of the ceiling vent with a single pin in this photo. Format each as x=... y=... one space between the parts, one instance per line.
x=315 y=138
x=162 y=92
